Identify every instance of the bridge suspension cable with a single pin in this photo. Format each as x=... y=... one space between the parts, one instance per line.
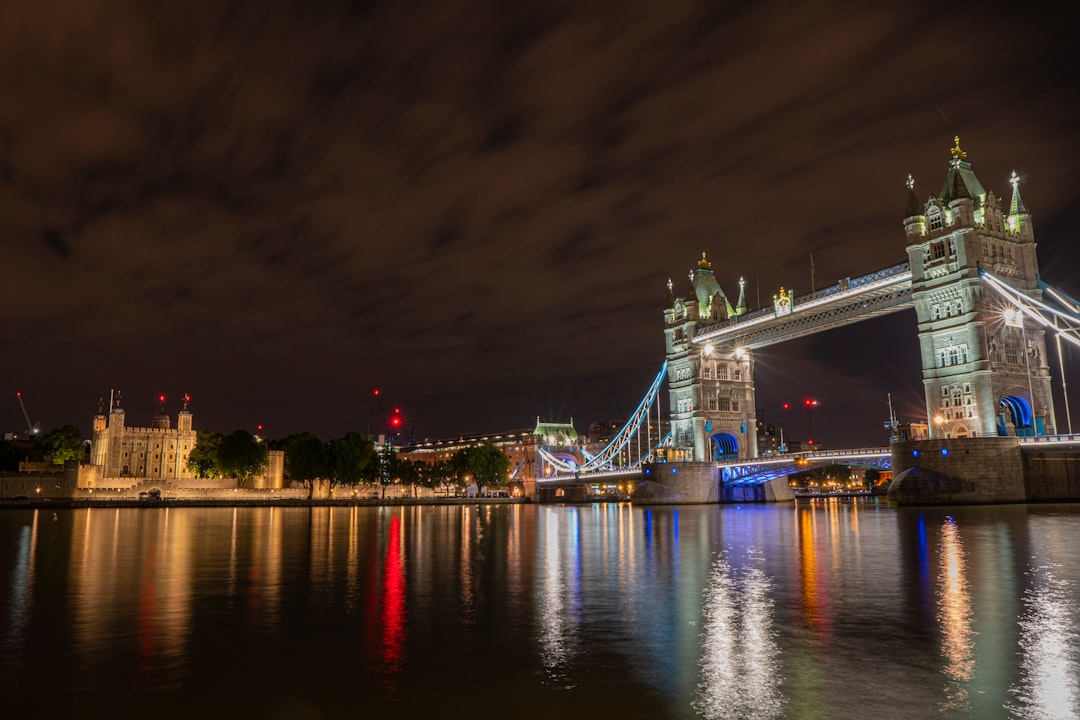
x=1038 y=310
x=602 y=461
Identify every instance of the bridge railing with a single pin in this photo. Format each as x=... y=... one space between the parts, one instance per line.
x=1050 y=440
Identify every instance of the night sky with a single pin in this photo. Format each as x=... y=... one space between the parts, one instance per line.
x=475 y=207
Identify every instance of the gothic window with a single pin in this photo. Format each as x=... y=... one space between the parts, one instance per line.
x=737 y=375
x=1011 y=355
x=735 y=406
x=945 y=392
x=724 y=404
x=707 y=371
x=937 y=251
x=967 y=387
x=935 y=220
x=722 y=372
x=712 y=403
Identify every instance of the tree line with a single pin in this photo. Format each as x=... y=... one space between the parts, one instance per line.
x=348 y=460
x=56 y=447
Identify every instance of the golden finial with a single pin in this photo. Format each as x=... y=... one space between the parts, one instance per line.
x=704 y=263
x=956 y=152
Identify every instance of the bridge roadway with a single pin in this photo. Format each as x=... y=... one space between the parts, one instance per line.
x=761 y=470
x=849 y=301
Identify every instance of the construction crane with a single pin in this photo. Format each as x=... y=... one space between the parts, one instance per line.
x=394 y=427
x=391 y=419
x=32 y=428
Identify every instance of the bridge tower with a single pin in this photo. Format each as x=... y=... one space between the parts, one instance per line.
x=710 y=386
x=985 y=368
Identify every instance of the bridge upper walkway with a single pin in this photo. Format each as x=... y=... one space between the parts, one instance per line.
x=850 y=300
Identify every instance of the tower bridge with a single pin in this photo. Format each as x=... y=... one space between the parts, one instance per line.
x=981 y=312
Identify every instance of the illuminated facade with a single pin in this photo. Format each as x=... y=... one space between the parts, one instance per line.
x=159 y=452
x=710 y=387
x=985 y=368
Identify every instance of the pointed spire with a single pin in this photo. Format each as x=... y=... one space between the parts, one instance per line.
x=740 y=307
x=960 y=181
x=914 y=207
x=670 y=291
x=1016 y=207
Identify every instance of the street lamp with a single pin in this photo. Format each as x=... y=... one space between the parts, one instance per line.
x=938 y=420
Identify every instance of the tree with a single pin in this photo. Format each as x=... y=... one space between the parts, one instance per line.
x=348 y=457
x=203 y=458
x=63 y=444
x=242 y=456
x=485 y=464
x=871 y=476
x=306 y=459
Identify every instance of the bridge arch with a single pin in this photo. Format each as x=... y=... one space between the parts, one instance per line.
x=725 y=447
x=1016 y=411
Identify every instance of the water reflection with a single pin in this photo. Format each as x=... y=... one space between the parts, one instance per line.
x=1049 y=647
x=394 y=615
x=22 y=596
x=954 y=618
x=740 y=666
x=559 y=596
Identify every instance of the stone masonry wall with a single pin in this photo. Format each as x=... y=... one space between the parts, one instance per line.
x=957 y=471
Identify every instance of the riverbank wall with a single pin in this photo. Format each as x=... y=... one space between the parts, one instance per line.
x=983 y=471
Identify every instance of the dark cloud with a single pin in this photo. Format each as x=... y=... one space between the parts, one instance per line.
x=278 y=206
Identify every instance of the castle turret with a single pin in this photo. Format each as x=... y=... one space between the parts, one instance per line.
x=183 y=420
x=161 y=420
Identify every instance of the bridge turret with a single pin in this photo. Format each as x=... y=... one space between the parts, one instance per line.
x=710 y=387
x=914 y=216
x=981 y=375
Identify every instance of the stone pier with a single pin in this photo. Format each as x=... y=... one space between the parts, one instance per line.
x=684 y=483
x=982 y=471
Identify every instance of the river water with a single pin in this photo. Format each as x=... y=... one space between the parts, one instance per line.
x=822 y=609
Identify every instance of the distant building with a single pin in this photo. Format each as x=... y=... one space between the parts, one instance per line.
x=159 y=451
x=156 y=453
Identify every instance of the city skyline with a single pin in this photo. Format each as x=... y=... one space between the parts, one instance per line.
x=477 y=210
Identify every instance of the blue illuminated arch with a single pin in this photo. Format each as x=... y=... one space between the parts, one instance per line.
x=725 y=447
x=1020 y=413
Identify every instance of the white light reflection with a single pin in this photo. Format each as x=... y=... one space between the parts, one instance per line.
x=954 y=617
x=1049 y=650
x=22 y=597
x=557 y=611
x=740 y=667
